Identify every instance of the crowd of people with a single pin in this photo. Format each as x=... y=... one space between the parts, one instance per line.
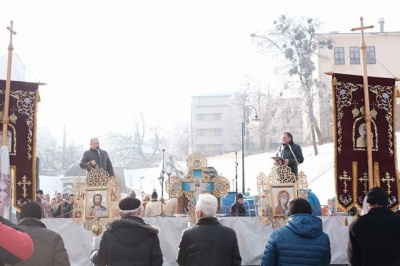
x=373 y=237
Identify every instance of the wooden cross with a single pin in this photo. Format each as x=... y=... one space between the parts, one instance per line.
x=345 y=178
x=12 y=32
x=364 y=179
x=388 y=179
x=23 y=184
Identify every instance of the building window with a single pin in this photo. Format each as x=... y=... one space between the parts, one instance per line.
x=200 y=117
x=217 y=117
x=219 y=147
x=339 y=55
x=200 y=148
x=371 y=59
x=218 y=131
x=354 y=55
x=200 y=132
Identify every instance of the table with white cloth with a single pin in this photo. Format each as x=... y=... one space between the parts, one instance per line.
x=252 y=237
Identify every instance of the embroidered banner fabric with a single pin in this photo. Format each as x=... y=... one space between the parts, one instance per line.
x=351 y=162
x=21 y=136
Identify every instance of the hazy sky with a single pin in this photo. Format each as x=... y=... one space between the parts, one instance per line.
x=106 y=60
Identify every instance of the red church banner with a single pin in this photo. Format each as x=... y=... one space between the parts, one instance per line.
x=351 y=162
x=21 y=137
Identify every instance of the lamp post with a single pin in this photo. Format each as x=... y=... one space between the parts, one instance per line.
x=243 y=134
x=161 y=180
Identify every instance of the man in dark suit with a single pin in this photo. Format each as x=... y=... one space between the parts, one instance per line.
x=374 y=237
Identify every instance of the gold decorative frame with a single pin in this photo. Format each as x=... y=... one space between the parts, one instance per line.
x=97 y=180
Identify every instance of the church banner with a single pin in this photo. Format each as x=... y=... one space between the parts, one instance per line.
x=351 y=161
x=21 y=138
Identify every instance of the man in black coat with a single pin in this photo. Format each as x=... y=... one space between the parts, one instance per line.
x=238 y=208
x=129 y=241
x=290 y=153
x=374 y=237
x=208 y=242
x=94 y=156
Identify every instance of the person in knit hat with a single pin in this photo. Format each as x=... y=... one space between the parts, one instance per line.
x=49 y=246
x=129 y=241
x=374 y=237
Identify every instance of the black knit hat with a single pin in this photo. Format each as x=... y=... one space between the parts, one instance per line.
x=378 y=195
x=239 y=196
x=31 y=209
x=129 y=204
x=154 y=195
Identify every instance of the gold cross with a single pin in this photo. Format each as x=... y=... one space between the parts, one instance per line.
x=23 y=184
x=365 y=179
x=12 y=32
x=345 y=177
x=388 y=179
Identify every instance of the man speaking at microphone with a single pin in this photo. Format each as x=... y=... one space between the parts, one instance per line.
x=94 y=156
x=290 y=153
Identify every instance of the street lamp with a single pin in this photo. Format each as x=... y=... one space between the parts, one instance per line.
x=161 y=180
x=243 y=134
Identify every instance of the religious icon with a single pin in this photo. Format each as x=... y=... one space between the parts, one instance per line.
x=97 y=202
x=280 y=197
x=362 y=140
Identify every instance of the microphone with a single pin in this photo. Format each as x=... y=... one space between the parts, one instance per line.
x=98 y=151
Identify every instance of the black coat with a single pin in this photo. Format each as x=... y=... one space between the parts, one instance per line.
x=374 y=238
x=238 y=209
x=285 y=153
x=92 y=154
x=209 y=243
x=129 y=241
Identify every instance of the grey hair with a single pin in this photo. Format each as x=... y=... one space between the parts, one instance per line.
x=208 y=204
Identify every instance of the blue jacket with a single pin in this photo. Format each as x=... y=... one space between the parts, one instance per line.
x=300 y=242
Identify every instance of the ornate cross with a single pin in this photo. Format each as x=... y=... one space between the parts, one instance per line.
x=23 y=184
x=388 y=179
x=364 y=179
x=345 y=178
x=12 y=32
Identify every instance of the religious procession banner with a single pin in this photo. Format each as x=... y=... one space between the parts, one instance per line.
x=21 y=140
x=351 y=161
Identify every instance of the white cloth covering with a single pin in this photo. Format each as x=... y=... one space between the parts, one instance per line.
x=252 y=237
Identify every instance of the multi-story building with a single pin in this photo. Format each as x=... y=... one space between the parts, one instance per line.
x=215 y=129
x=383 y=58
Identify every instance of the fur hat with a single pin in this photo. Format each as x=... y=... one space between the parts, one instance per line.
x=129 y=204
x=239 y=196
x=378 y=195
x=31 y=209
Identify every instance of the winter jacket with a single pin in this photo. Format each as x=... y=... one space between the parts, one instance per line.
x=300 y=242
x=15 y=245
x=374 y=238
x=92 y=154
x=49 y=246
x=285 y=153
x=238 y=209
x=208 y=243
x=129 y=241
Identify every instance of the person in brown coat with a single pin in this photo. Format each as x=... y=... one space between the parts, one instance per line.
x=49 y=246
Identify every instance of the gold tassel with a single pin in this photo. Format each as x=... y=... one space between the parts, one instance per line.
x=334 y=81
x=346 y=222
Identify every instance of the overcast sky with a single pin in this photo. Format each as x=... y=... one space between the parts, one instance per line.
x=105 y=61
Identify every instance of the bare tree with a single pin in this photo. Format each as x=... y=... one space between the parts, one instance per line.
x=136 y=148
x=295 y=40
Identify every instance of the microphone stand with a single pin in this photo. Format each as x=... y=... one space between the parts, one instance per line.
x=161 y=178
